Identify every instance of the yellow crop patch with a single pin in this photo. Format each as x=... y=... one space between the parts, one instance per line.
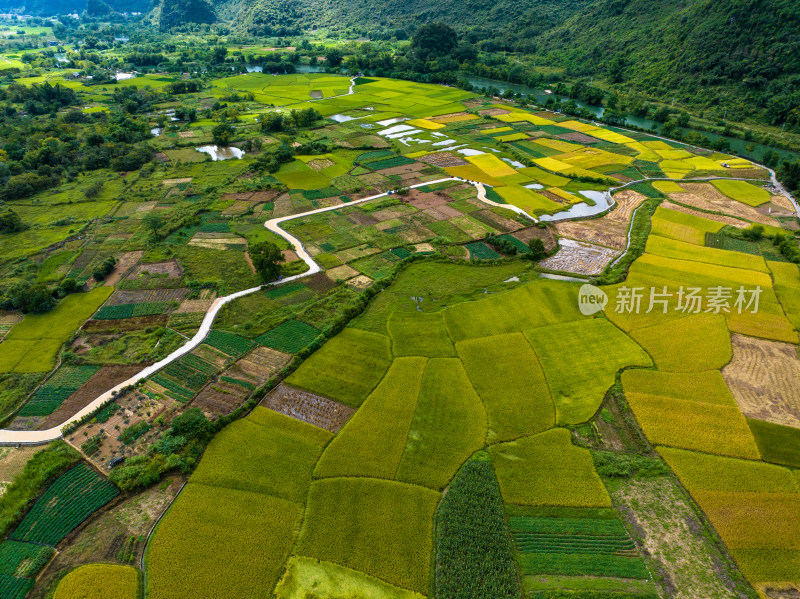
x=578 y=126
x=702 y=163
x=551 y=164
x=513 y=137
x=564 y=195
x=425 y=124
x=558 y=144
x=667 y=187
x=457 y=118
x=471 y=172
x=610 y=136
x=492 y=165
x=645 y=153
x=519 y=116
x=673 y=154
x=497 y=130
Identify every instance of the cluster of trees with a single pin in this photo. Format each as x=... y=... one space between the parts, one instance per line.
x=274 y=122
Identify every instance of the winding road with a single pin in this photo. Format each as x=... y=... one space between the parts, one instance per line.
x=11 y=437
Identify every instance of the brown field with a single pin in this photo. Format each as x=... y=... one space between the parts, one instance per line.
x=219 y=398
x=763 y=377
x=580 y=258
x=404 y=169
x=320 y=163
x=135 y=296
x=103 y=380
x=706 y=197
x=546 y=235
x=778 y=590
x=194 y=305
x=7 y=321
x=238 y=207
x=422 y=200
x=356 y=252
x=610 y=230
x=578 y=137
x=319 y=283
x=171 y=268
x=444 y=159
x=494 y=112
x=341 y=273
x=360 y=218
x=283 y=206
x=123 y=265
x=169 y=182
x=308 y=407
x=360 y=282
x=257 y=366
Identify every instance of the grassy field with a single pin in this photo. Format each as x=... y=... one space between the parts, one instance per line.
x=374 y=439
x=511 y=312
x=99 y=581
x=420 y=334
x=33 y=344
x=507 y=375
x=671 y=248
x=238 y=456
x=449 y=425
x=546 y=469
x=742 y=191
x=220 y=536
x=382 y=528
x=347 y=368
x=306 y=577
x=683 y=227
x=695 y=343
x=596 y=351
x=787 y=288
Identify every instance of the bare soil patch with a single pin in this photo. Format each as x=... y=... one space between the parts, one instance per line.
x=308 y=407
x=580 y=258
x=546 y=235
x=360 y=282
x=319 y=283
x=219 y=398
x=194 y=305
x=123 y=265
x=320 y=163
x=611 y=230
x=578 y=137
x=171 y=268
x=763 y=378
x=403 y=169
x=443 y=159
x=103 y=380
x=493 y=112
x=169 y=182
x=12 y=461
x=422 y=199
x=211 y=355
x=706 y=197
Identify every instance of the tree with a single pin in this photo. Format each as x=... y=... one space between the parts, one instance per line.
x=333 y=57
x=152 y=222
x=536 y=246
x=434 y=39
x=267 y=258
x=10 y=222
x=222 y=133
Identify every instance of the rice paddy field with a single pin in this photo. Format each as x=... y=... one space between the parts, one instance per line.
x=440 y=401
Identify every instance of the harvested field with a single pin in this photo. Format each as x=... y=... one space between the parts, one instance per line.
x=444 y=159
x=494 y=112
x=612 y=229
x=320 y=164
x=360 y=218
x=728 y=220
x=171 y=268
x=546 y=235
x=308 y=407
x=220 y=398
x=403 y=169
x=706 y=197
x=579 y=257
x=578 y=137
x=123 y=265
x=124 y=324
x=194 y=305
x=763 y=377
x=257 y=366
x=12 y=461
x=264 y=196
x=422 y=200
x=319 y=283
x=341 y=273
x=170 y=182
x=360 y=282
x=103 y=380
x=136 y=296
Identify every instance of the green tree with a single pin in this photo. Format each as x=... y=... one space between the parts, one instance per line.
x=434 y=39
x=152 y=222
x=222 y=134
x=267 y=258
x=536 y=246
x=333 y=57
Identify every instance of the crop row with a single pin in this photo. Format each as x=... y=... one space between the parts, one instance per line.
x=121 y=311
x=373 y=156
x=231 y=344
x=49 y=397
x=12 y=587
x=23 y=559
x=571 y=544
x=177 y=391
x=198 y=363
x=189 y=377
x=389 y=163
x=64 y=505
x=289 y=337
x=582 y=564
x=568 y=526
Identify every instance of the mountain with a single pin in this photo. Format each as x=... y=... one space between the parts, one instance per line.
x=172 y=13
